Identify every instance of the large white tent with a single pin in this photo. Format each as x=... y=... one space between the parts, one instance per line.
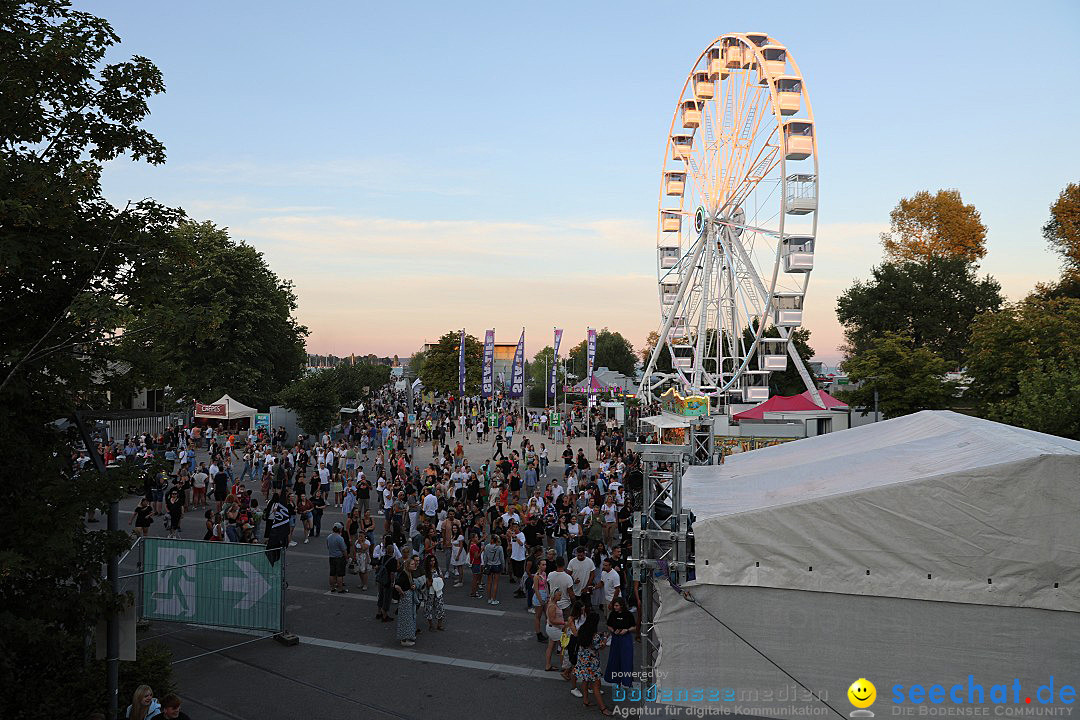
x=225 y=408
x=918 y=550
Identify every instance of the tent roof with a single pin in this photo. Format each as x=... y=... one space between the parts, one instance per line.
x=789 y=403
x=902 y=450
x=233 y=409
x=939 y=494
x=597 y=385
x=666 y=420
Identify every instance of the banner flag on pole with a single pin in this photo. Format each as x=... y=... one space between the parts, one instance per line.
x=461 y=366
x=592 y=358
x=487 y=384
x=517 y=377
x=554 y=366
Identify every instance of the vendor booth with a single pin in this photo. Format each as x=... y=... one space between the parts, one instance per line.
x=226 y=413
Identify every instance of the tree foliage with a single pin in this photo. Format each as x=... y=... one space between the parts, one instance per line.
x=72 y=265
x=439 y=370
x=1023 y=362
x=1062 y=230
x=663 y=360
x=227 y=326
x=927 y=226
x=318 y=397
x=538 y=372
x=933 y=302
x=613 y=351
x=907 y=378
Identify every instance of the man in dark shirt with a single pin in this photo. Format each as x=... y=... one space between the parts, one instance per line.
x=532 y=532
x=279 y=518
x=582 y=464
x=319 y=503
x=568 y=456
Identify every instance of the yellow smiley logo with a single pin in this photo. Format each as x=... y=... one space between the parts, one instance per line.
x=862 y=693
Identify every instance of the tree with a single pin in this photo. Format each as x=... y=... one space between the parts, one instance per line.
x=440 y=367
x=927 y=226
x=933 y=302
x=907 y=378
x=613 y=351
x=663 y=360
x=228 y=325
x=416 y=363
x=538 y=371
x=1024 y=355
x=72 y=264
x=317 y=398
x=1045 y=400
x=352 y=379
x=1062 y=230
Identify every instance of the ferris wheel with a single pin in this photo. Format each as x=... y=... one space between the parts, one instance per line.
x=736 y=223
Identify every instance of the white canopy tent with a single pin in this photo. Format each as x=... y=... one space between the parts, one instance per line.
x=225 y=408
x=911 y=549
x=666 y=421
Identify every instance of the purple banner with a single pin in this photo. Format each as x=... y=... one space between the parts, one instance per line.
x=554 y=365
x=517 y=376
x=592 y=356
x=487 y=384
x=461 y=366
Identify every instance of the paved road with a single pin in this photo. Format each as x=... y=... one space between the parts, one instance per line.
x=487 y=664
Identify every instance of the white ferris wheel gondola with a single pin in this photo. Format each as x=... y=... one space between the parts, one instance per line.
x=736 y=223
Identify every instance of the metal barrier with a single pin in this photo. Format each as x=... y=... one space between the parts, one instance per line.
x=212 y=583
x=154 y=424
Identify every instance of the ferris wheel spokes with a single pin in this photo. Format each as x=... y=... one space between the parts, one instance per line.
x=741 y=119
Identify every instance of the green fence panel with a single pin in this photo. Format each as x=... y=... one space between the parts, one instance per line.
x=212 y=583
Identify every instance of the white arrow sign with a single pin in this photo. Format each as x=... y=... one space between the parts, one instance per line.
x=252 y=585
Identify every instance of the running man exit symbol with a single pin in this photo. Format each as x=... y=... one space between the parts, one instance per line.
x=174 y=593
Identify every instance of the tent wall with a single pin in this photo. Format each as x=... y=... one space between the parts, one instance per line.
x=283 y=416
x=829 y=640
x=1000 y=535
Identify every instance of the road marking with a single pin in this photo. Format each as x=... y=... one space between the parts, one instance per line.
x=434 y=659
x=403 y=653
x=373 y=598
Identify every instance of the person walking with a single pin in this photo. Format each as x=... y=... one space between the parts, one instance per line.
x=406 y=587
x=494 y=559
x=459 y=558
x=434 y=609
x=587 y=669
x=386 y=576
x=476 y=564
x=621 y=624
x=143 y=517
x=336 y=549
x=553 y=627
x=174 y=512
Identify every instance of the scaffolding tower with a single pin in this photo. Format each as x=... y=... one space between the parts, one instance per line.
x=661 y=537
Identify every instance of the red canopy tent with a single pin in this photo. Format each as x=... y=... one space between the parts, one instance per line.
x=790 y=403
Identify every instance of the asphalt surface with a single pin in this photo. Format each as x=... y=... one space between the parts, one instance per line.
x=486 y=664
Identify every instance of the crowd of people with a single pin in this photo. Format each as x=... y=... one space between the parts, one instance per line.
x=554 y=535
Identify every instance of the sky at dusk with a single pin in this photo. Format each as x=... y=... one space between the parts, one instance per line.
x=416 y=168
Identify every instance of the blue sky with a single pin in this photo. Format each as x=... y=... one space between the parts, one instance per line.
x=416 y=168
